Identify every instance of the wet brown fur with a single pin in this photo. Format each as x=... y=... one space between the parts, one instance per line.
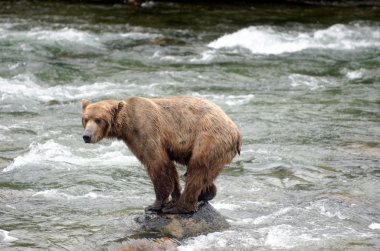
x=191 y=131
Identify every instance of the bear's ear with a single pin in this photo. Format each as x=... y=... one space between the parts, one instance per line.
x=84 y=103
x=120 y=105
x=117 y=108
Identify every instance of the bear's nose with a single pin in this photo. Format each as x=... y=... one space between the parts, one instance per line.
x=87 y=139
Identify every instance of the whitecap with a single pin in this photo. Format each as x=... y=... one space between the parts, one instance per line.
x=287 y=237
x=374 y=226
x=271 y=217
x=330 y=209
x=55 y=194
x=332 y=214
x=5 y=237
x=138 y=35
x=4 y=128
x=39 y=153
x=272 y=40
x=148 y=4
x=26 y=85
x=230 y=240
x=62 y=156
x=11 y=207
x=311 y=82
x=205 y=57
x=68 y=36
x=354 y=75
x=227 y=206
x=230 y=100
x=162 y=57
x=64 y=34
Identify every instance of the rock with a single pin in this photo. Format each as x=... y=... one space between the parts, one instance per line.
x=205 y=220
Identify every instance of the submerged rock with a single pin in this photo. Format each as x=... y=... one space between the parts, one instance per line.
x=205 y=220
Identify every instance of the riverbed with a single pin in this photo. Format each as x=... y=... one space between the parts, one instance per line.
x=301 y=82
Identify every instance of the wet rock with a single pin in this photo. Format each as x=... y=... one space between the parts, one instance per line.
x=205 y=220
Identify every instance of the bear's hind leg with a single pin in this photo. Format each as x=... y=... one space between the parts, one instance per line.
x=188 y=201
x=198 y=178
x=207 y=161
x=208 y=193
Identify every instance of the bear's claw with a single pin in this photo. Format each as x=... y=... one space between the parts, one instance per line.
x=152 y=208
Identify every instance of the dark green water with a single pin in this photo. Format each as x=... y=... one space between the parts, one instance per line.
x=302 y=83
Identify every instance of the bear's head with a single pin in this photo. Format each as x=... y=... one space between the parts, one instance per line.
x=98 y=119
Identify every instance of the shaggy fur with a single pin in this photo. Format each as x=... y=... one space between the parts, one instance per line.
x=191 y=131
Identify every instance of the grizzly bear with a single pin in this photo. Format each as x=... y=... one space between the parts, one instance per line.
x=188 y=130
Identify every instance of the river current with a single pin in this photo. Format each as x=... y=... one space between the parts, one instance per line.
x=301 y=82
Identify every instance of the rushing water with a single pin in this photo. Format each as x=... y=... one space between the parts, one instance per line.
x=302 y=83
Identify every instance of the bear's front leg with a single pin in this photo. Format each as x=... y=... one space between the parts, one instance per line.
x=165 y=181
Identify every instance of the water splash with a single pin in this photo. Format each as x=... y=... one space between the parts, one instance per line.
x=55 y=154
x=270 y=40
x=5 y=237
x=26 y=85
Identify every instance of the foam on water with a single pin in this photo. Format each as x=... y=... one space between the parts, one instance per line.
x=227 y=206
x=39 y=35
x=138 y=35
x=205 y=57
x=25 y=85
x=270 y=218
x=230 y=100
x=330 y=209
x=4 y=133
x=69 y=36
x=354 y=75
x=5 y=237
x=274 y=237
x=374 y=226
x=220 y=240
x=65 y=34
x=55 y=194
x=287 y=237
x=277 y=234
x=270 y=40
x=330 y=214
x=314 y=83
x=43 y=154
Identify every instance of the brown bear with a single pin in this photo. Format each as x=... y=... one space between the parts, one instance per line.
x=188 y=130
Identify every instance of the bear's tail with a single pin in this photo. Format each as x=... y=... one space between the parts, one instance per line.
x=238 y=144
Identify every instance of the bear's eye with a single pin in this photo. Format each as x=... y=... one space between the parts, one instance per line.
x=98 y=121
x=84 y=121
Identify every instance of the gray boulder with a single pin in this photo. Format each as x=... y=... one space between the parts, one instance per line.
x=205 y=220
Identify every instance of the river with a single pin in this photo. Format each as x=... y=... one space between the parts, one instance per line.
x=301 y=82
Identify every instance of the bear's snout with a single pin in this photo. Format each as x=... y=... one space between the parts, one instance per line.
x=87 y=138
x=90 y=132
